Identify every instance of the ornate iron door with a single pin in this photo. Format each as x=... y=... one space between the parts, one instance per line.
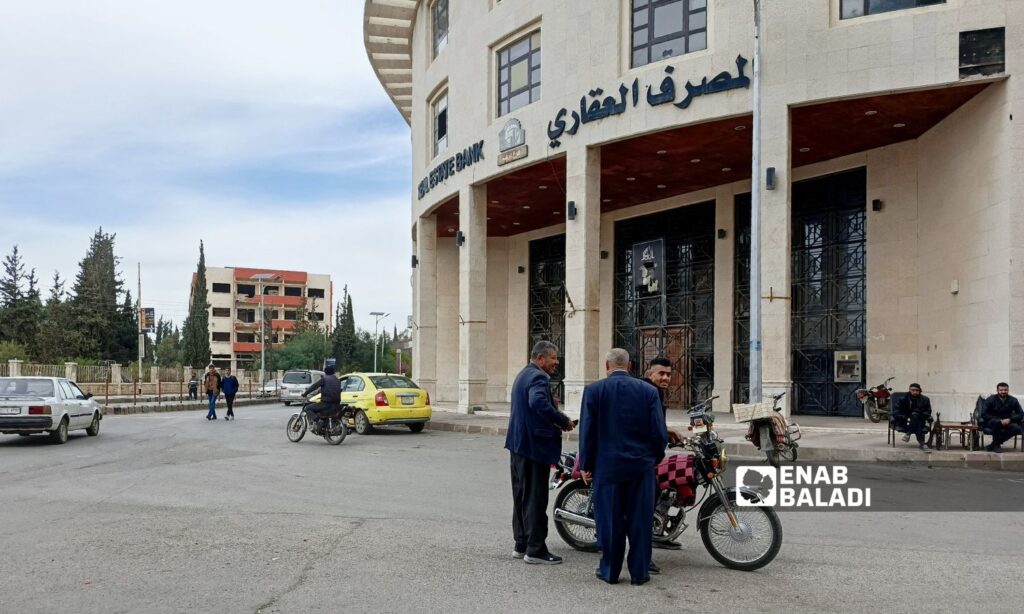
x=677 y=323
x=741 y=301
x=828 y=293
x=547 y=301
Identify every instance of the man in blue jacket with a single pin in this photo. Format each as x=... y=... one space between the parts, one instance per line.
x=622 y=438
x=229 y=386
x=535 y=442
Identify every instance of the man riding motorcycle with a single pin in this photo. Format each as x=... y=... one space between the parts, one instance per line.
x=330 y=395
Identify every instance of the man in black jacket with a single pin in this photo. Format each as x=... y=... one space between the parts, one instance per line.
x=1002 y=417
x=330 y=394
x=912 y=411
x=659 y=375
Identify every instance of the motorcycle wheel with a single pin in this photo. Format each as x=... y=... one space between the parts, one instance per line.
x=874 y=416
x=789 y=454
x=755 y=544
x=296 y=428
x=574 y=498
x=768 y=445
x=334 y=431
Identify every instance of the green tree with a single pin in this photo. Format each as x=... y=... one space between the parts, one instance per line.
x=20 y=306
x=57 y=340
x=11 y=350
x=305 y=350
x=97 y=313
x=195 y=343
x=167 y=350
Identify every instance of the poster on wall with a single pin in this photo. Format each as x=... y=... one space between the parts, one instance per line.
x=649 y=268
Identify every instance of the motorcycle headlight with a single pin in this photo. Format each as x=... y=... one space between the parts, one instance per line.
x=723 y=460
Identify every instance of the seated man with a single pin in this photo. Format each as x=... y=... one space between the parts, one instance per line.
x=1002 y=417
x=330 y=395
x=910 y=414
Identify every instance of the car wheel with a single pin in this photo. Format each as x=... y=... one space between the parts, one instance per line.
x=417 y=428
x=94 y=428
x=287 y=403
x=363 y=426
x=60 y=434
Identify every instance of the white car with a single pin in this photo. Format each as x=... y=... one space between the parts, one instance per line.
x=52 y=405
x=295 y=383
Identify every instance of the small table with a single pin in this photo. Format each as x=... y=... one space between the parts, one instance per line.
x=969 y=435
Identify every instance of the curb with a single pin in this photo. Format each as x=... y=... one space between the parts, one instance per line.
x=1008 y=461
x=124 y=410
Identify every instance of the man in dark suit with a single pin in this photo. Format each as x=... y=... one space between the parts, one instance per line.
x=1002 y=417
x=911 y=411
x=622 y=439
x=535 y=442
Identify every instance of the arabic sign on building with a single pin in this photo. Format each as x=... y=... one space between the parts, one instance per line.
x=455 y=164
x=649 y=268
x=605 y=106
x=511 y=143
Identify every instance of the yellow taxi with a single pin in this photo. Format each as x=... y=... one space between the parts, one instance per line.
x=385 y=399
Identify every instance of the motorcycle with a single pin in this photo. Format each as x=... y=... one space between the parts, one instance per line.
x=771 y=427
x=743 y=538
x=876 y=400
x=333 y=428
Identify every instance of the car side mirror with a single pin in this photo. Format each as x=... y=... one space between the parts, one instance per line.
x=88 y=395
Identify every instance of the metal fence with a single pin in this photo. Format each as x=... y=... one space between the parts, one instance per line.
x=31 y=370
x=93 y=374
x=5 y=369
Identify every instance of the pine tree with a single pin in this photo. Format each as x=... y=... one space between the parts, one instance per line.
x=195 y=345
x=95 y=313
x=20 y=309
x=57 y=340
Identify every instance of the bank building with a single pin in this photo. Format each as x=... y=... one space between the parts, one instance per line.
x=582 y=173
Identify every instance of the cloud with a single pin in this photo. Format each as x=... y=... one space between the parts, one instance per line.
x=255 y=125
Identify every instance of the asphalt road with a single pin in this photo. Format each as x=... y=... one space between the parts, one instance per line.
x=172 y=513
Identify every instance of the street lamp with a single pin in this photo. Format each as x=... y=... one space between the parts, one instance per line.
x=262 y=278
x=755 y=220
x=380 y=315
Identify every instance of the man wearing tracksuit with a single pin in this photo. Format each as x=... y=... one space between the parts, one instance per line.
x=622 y=438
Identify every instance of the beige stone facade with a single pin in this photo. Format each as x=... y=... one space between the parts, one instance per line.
x=943 y=277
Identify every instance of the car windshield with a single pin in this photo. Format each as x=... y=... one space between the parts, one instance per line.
x=297 y=377
x=25 y=387
x=392 y=381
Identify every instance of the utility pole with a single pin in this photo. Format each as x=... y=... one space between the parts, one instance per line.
x=755 y=221
x=138 y=315
x=380 y=315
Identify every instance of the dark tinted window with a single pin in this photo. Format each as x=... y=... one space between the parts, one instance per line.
x=392 y=381
x=247 y=289
x=297 y=377
x=292 y=291
x=315 y=293
x=222 y=288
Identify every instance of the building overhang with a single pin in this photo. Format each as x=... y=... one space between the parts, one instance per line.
x=387 y=36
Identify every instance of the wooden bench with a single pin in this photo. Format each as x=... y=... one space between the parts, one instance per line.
x=970 y=435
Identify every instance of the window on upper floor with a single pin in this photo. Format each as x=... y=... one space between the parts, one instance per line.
x=222 y=312
x=439 y=111
x=667 y=28
x=247 y=289
x=519 y=73
x=859 y=8
x=222 y=288
x=292 y=291
x=439 y=24
x=221 y=337
x=315 y=293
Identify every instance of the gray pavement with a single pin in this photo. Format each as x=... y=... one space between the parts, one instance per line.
x=168 y=512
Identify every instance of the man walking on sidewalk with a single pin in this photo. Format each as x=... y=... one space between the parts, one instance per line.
x=211 y=383
x=534 y=442
x=230 y=387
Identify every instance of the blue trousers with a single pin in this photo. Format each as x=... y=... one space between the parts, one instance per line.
x=213 y=405
x=625 y=510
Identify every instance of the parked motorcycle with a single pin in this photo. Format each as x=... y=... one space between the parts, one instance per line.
x=743 y=538
x=332 y=428
x=877 y=401
x=772 y=434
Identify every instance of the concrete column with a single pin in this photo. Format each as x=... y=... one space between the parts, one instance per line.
x=582 y=274
x=115 y=378
x=473 y=299
x=1014 y=140
x=424 y=349
x=725 y=259
x=776 y=248
x=14 y=367
x=154 y=374
x=71 y=371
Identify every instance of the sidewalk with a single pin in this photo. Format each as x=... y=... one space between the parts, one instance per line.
x=125 y=407
x=825 y=439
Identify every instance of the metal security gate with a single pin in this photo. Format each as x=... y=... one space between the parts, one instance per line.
x=547 y=301
x=741 y=301
x=675 y=319
x=828 y=293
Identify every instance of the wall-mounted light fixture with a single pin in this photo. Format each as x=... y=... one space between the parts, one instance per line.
x=721 y=233
x=459 y=238
x=770 y=178
x=570 y=210
x=415 y=261
x=521 y=269
x=604 y=254
x=876 y=204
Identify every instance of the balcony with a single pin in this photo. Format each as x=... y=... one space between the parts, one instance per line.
x=271 y=300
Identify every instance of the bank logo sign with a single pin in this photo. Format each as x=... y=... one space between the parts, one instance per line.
x=512 y=143
x=802 y=487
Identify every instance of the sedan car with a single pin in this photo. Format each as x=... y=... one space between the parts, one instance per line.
x=271 y=388
x=295 y=383
x=52 y=405
x=384 y=399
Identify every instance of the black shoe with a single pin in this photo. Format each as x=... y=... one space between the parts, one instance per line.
x=921 y=446
x=996 y=449
x=640 y=581
x=654 y=569
x=543 y=559
x=597 y=573
x=667 y=545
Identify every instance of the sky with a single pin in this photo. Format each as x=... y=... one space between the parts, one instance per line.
x=256 y=126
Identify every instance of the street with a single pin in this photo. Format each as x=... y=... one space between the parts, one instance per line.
x=173 y=513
